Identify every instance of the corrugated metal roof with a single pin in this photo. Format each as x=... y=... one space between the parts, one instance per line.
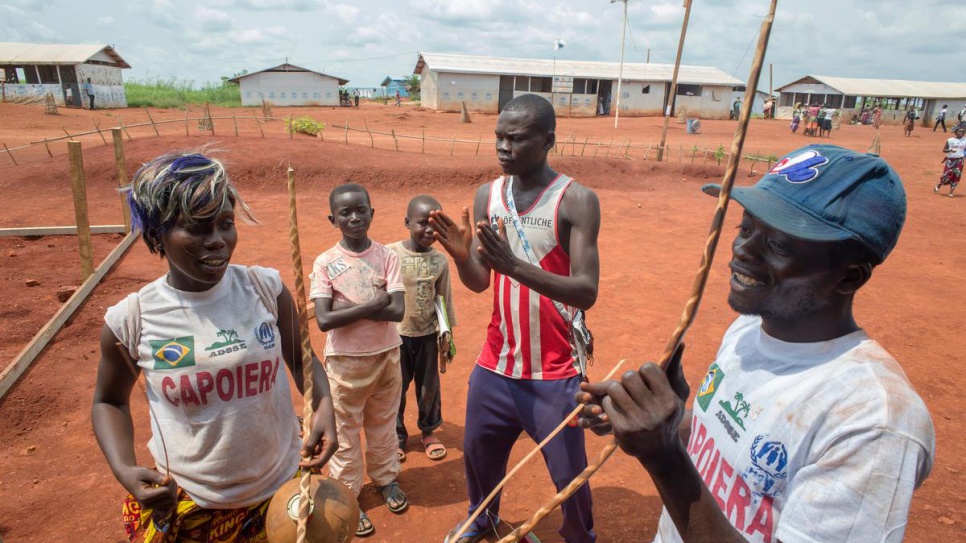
x=286 y=67
x=885 y=88
x=50 y=53
x=691 y=75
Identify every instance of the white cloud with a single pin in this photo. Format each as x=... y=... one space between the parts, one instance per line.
x=212 y=19
x=345 y=12
x=106 y=20
x=264 y=5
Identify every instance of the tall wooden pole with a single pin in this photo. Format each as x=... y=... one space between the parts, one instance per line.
x=121 y=174
x=78 y=187
x=674 y=80
x=620 y=71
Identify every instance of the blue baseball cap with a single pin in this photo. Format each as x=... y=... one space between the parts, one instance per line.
x=827 y=193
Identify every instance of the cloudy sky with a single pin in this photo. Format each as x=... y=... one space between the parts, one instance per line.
x=365 y=40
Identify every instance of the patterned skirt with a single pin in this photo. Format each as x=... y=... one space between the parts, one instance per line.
x=952 y=172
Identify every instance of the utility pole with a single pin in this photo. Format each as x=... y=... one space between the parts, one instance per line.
x=674 y=80
x=620 y=73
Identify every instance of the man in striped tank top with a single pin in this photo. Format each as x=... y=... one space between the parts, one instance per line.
x=526 y=375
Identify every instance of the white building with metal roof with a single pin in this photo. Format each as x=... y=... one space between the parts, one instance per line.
x=575 y=88
x=850 y=95
x=31 y=70
x=289 y=85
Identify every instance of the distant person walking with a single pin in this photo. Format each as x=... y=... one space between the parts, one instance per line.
x=953 y=161
x=941 y=119
x=877 y=116
x=398 y=101
x=909 y=122
x=89 y=90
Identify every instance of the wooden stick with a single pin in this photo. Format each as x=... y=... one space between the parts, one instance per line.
x=126 y=133
x=97 y=126
x=307 y=383
x=394 y=140
x=69 y=137
x=291 y=127
x=347 y=132
x=584 y=146
x=78 y=187
x=673 y=90
x=486 y=501
x=452 y=146
x=423 y=146
x=48 y=148
x=186 y=133
x=258 y=124
x=11 y=154
x=235 y=121
x=154 y=126
x=121 y=174
x=40 y=340
x=372 y=142
x=700 y=279
x=478 y=145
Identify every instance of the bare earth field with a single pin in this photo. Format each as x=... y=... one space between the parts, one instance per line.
x=53 y=477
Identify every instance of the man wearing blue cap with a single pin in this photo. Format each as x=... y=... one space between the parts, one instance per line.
x=804 y=428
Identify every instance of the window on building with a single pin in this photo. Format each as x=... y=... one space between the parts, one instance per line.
x=30 y=74
x=9 y=74
x=580 y=86
x=646 y=89
x=48 y=74
x=541 y=84
x=522 y=84
x=689 y=90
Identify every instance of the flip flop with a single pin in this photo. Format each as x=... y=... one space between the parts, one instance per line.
x=395 y=498
x=435 y=450
x=470 y=536
x=365 y=525
x=401 y=455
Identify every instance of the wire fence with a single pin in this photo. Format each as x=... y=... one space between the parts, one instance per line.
x=279 y=128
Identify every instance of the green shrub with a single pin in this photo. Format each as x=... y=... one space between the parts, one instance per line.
x=304 y=125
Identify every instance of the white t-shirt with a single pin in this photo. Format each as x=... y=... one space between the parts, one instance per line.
x=956 y=147
x=217 y=386
x=808 y=442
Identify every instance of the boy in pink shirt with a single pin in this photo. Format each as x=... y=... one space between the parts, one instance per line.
x=359 y=295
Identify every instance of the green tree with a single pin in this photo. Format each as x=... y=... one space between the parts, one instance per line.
x=413 y=81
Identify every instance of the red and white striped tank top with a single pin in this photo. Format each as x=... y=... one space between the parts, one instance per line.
x=527 y=337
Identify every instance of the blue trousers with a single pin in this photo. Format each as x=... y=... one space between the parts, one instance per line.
x=497 y=410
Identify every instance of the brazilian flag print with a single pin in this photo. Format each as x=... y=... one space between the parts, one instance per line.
x=174 y=353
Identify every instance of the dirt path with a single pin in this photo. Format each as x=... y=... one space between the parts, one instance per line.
x=654 y=223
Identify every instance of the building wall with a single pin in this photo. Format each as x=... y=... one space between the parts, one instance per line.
x=445 y=91
x=107 y=81
x=481 y=92
x=289 y=89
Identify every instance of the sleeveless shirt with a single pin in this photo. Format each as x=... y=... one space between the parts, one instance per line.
x=527 y=338
x=218 y=387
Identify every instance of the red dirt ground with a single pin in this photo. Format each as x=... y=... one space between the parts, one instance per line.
x=53 y=476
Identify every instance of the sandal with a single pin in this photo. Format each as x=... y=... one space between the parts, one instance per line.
x=401 y=450
x=435 y=450
x=365 y=525
x=470 y=536
x=396 y=500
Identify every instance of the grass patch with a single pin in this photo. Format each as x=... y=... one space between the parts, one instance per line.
x=175 y=93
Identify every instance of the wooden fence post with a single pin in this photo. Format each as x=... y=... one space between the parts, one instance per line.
x=452 y=146
x=347 y=132
x=97 y=126
x=48 y=148
x=259 y=125
x=423 y=146
x=372 y=142
x=121 y=175
x=11 y=154
x=154 y=126
x=77 y=185
x=186 y=133
x=478 y=145
x=69 y=137
x=235 y=121
x=291 y=127
x=584 y=146
x=394 y=140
